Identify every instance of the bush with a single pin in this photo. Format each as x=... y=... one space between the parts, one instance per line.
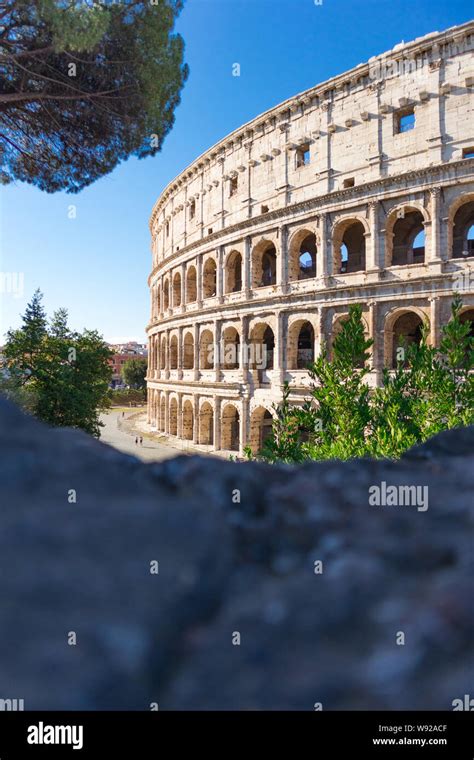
x=431 y=390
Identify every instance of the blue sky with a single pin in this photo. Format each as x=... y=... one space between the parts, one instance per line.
x=97 y=264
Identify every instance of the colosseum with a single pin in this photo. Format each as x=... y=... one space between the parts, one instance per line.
x=359 y=190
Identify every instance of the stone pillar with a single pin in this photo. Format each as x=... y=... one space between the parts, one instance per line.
x=199 y=281
x=180 y=415
x=324 y=268
x=220 y=274
x=321 y=329
x=247 y=269
x=282 y=263
x=157 y=350
x=377 y=349
x=243 y=425
x=180 y=353
x=167 y=355
x=183 y=287
x=434 y=252
x=196 y=351
x=436 y=105
x=160 y=290
x=196 y=419
x=149 y=372
x=167 y=412
x=434 y=321
x=279 y=351
x=217 y=423
x=217 y=349
x=244 y=345
x=373 y=249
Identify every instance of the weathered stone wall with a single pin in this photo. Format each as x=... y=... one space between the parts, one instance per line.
x=330 y=173
x=81 y=525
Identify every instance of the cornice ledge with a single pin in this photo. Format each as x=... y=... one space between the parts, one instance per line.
x=316 y=203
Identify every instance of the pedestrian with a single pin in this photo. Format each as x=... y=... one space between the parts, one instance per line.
x=123 y=414
x=141 y=440
x=136 y=441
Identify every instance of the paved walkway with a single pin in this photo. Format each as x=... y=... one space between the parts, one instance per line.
x=123 y=437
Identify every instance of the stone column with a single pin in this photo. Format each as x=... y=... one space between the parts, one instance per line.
x=196 y=351
x=199 y=281
x=196 y=419
x=158 y=354
x=150 y=357
x=167 y=355
x=377 y=349
x=243 y=425
x=321 y=329
x=247 y=269
x=179 y=412
x=244 y=344
x=217 y=349
x=436 y=105
x=180 y=353
x=220 y=274
x=167 y=412
x=217 y=423
x=435 y=253
x=183 y=287
x=324 y=268
x=282 y=264
x=279 y=351
x=160 y=291
x=373 y=250
x=434 y=321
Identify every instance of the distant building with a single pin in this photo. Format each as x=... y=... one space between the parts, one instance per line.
x=123 y=352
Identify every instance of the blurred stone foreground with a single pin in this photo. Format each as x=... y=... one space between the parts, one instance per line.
x=227 y=568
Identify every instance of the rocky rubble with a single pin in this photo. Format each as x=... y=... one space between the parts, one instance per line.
x=316 y=584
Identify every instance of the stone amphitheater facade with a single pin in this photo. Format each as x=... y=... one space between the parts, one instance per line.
x=359 y=190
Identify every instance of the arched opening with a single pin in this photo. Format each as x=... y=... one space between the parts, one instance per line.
x=231 y=346
x=209 y=279
x=264 y=261
x=173 y=417
x=230 y=429
x=302 y=260
x=233 y=273
x=300 y=345
x=262 y=344
x=163 y=414
x=468 y=316
x=166 y=295
x=463 y=231
x=191 y=287
x=174 y=352
x=177 y=289
x=163 y=354
x=406 y=330
x=261 y=424
x=206 y=350
x=336 y=329
x=349 y=247
x=188 y=421
x=408 y=242
x=206 y=424
x=188 y=351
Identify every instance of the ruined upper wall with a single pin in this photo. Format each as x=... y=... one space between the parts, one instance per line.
x=349 y=125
